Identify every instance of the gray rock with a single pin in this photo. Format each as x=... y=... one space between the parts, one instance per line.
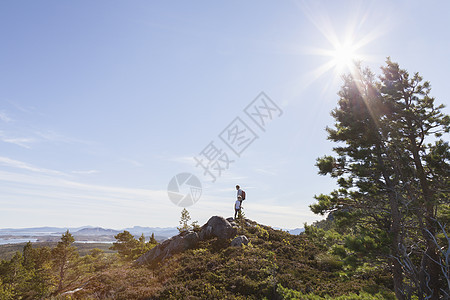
x=239 y=240
x=168 y=248
x=217 y=227
x=190 y=240
x=205 y=232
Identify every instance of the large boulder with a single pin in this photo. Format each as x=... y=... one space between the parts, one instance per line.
x=166 y=249
x=217 y=227
x=190 y=240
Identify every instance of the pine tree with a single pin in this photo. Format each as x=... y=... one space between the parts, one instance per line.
x=184 y=221
x=413 y=113
x=65 y=256
x=142 y=240
x=126 y=245
x=28 y=256
x=142 y=248
x=389 y=179
x=153 y=240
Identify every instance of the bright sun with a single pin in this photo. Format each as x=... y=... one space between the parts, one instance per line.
x=344 y=56
x=344 y=51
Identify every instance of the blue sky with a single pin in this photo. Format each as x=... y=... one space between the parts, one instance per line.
x=103 y=102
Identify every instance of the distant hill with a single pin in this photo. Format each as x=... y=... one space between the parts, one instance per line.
x=166 y=232
x=296 y=231
x=96 y=231
x=84 y=233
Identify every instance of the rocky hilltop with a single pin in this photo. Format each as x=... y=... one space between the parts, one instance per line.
x=216 y=227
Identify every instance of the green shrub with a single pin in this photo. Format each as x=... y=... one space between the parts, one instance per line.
x=339 y=250
x=351 y=261
x=286 y=293
x=6 y=291
x=329 y=262
x=262 y=233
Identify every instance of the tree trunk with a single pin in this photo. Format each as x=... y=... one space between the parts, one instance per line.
x=397 y=271
x=395 y=227
x=61 y=274
x=431 y=255
x=431 y=268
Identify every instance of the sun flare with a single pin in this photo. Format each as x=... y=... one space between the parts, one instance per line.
x=344 y=56
x=345 y=44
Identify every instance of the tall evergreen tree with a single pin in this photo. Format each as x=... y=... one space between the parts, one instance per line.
x=184 y=221
x=152 y=239
x=413 y=113
x=37 y=262
x=126 y=244
x=387 y=175
x=64 y=256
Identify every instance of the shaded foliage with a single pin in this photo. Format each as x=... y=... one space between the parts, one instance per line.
x=392 y=168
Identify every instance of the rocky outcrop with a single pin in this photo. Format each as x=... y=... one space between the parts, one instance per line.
x=174 y=245
x=239 y=241
x=190 y=240
x=216 y=227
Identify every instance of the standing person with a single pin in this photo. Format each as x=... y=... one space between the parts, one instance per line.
x=239 y=191
x=237 y=206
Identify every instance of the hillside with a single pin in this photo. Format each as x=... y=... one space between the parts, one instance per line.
x=274 y=265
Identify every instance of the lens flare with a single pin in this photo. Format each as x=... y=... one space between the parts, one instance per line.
x=344 y=56
x=347 y=41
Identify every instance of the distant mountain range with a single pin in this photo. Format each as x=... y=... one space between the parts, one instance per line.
x=96 y=231
x=296 y=231
x=85 y=233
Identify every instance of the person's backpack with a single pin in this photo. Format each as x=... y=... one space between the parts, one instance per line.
x=243 y=195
